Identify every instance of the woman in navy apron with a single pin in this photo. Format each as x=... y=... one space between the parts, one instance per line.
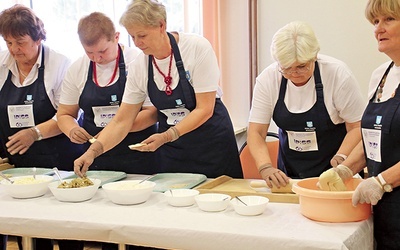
x=195 y=131
x=100 y=98
x=30 y=79
x=329 y=136
x=380 y=146
x=315 y=102
x=120 y=158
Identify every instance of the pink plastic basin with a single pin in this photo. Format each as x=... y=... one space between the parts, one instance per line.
x=330 y=206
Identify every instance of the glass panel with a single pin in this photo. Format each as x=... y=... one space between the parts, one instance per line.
x=61 y=17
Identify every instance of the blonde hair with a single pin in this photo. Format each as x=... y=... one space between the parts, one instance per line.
x=95 y=26
x=375 y=8
x=144 y=12
x=295 y=42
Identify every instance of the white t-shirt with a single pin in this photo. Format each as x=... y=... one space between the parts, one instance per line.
x=55 y=67
x=75 y=79
x=391 y=83
x=199 y=61
x=342 y=96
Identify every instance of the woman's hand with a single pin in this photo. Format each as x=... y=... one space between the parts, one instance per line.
x=155 y=141
x=21 y=141
x=79 y=135
x=368 y=191
x=81 y=165
x=275 y=176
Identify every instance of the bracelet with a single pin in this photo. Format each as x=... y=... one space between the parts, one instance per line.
x=174 y=133
x=264 y=166
x=342 y=155
x=97 y=148
x=38 y=133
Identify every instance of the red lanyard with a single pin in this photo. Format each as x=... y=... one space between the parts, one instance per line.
x=168 y=78
x=113 y=75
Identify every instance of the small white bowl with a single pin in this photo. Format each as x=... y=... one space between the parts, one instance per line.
x=255 y=204
x=26 y=186
x=212 y=202
x=74 y=194
x=181 y=197
x=129 y=192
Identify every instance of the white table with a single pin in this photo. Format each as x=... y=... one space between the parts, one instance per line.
x=155 y=223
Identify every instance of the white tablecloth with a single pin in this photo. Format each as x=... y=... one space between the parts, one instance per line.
x=155 y=223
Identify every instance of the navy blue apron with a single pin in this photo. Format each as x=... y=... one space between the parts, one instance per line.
x=385 y=116
x=210 y=149
x=329 y=136
x=119 y=158
x=57 y=151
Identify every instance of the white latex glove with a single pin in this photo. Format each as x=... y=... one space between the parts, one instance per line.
x=331 y=181
x=337 y=159
x=344 y=172
x=334 y=179
x=368 y=191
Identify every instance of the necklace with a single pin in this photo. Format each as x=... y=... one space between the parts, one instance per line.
x=382 y=84
x=21 y=73
x=168 y=78
x=113 y=75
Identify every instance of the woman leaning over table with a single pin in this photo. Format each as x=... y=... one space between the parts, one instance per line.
x=380 y=146
x=30 y=83
x=95 y=83
x=315 y=101
x=179 y=72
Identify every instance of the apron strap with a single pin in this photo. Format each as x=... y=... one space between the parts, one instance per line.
x=190 y=102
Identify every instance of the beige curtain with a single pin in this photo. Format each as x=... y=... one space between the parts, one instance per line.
x=215 y=16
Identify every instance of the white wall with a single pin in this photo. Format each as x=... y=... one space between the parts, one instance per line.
x=340 y=25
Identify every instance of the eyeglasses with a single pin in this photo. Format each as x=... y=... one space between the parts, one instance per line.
x=303 y=68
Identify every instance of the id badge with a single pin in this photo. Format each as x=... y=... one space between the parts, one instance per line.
x=302 y=141
x=174 y=116
x=372 y=143
x=21 y=116
x=104 y=114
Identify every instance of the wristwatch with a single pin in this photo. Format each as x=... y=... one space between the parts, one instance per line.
x=386 y=186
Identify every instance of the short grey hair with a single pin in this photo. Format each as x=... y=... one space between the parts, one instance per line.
x=144 y=12
x=294 y=42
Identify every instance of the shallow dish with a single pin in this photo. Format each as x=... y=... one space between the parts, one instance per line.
x=26 y=186
x=181 y=197
x=129 y=192
x=330 y=206
x=212 y=202
x=78 y=194
x=255 y=204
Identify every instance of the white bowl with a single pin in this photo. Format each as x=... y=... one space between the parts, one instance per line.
x=212 y=202
x=181 y=197
x=26 y=186
x=74 y=194
x=255 y=204
x=129 y=192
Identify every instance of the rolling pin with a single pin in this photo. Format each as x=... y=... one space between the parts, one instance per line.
x=274 y=189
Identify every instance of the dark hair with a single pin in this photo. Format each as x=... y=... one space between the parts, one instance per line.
x=20 y=20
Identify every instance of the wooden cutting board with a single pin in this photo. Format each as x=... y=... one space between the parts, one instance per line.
x=5 y=166
x=239 y=187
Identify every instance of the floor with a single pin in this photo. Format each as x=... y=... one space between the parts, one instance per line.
x=12 y=245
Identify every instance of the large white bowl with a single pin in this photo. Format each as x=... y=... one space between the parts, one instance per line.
x=129 y=192
x=74 y=194
x=27 y=187
x=181 y=197
x=212 y=202
x=255 y=204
